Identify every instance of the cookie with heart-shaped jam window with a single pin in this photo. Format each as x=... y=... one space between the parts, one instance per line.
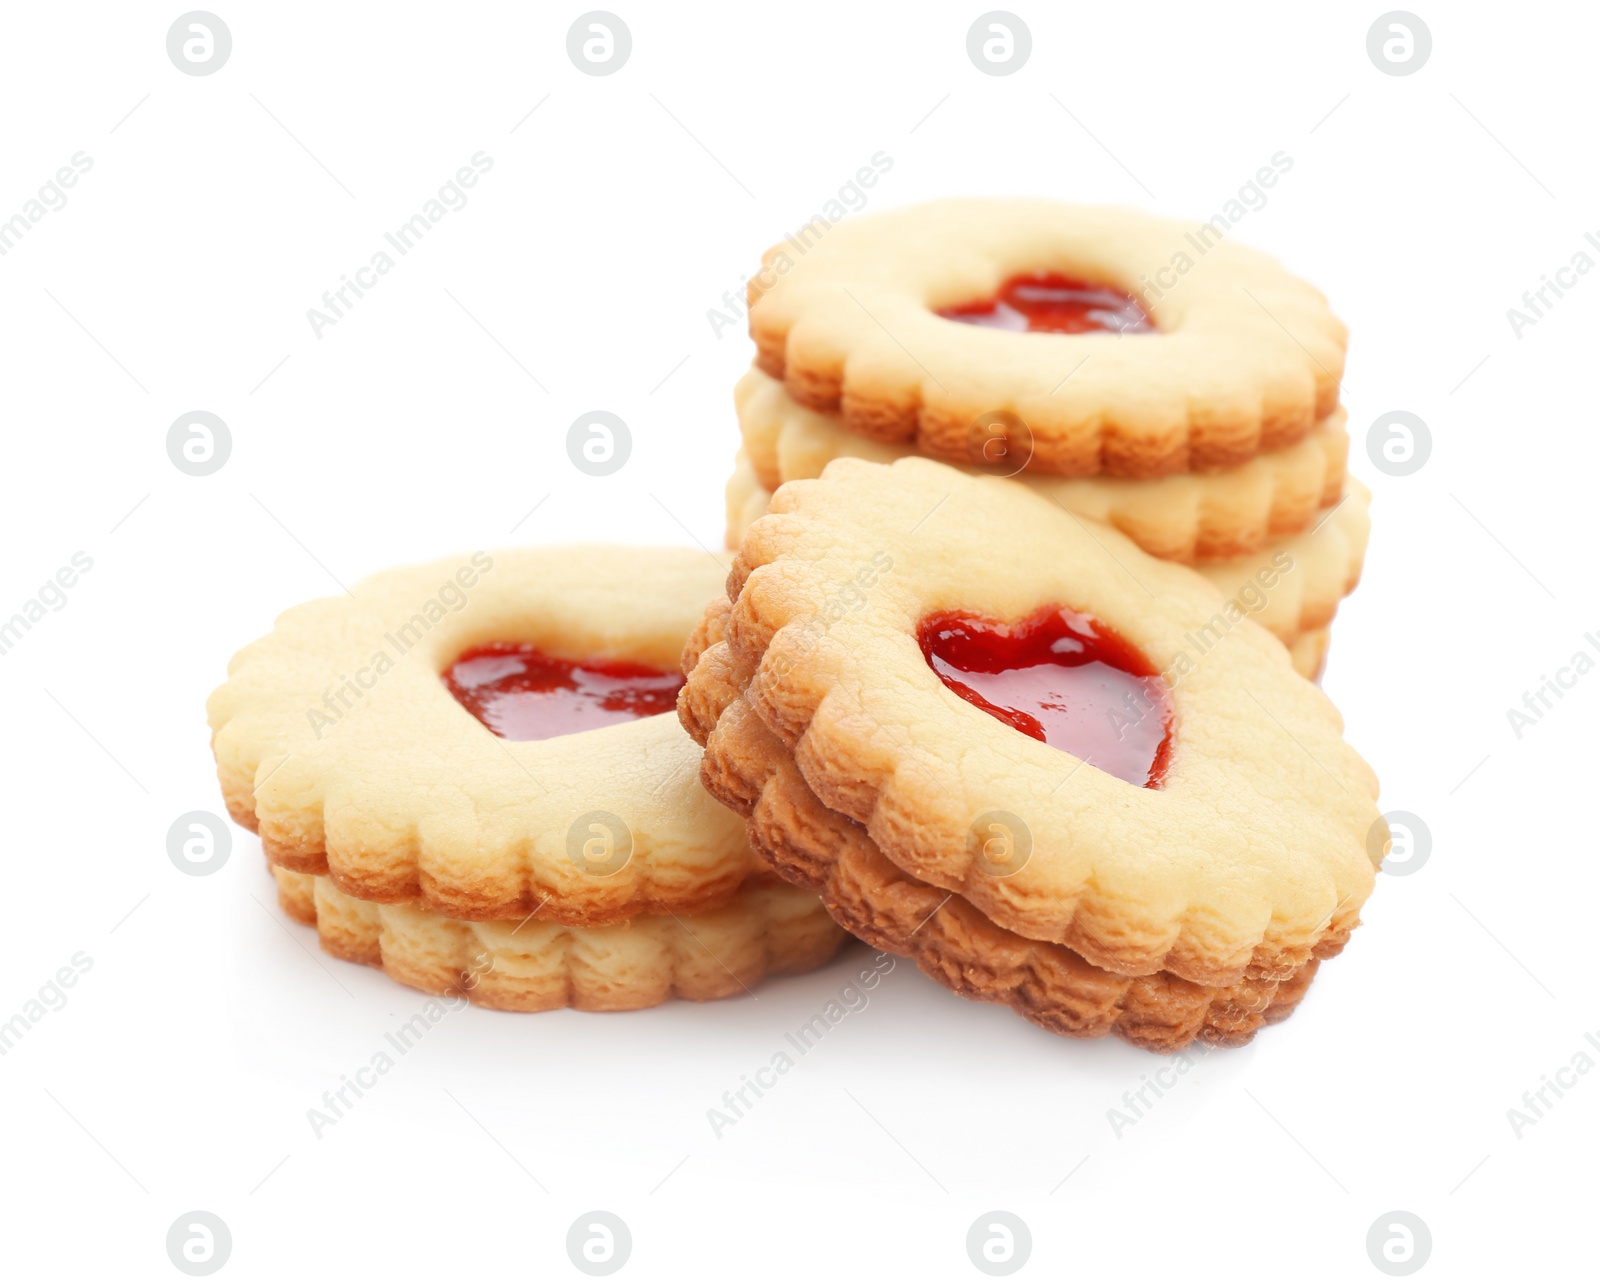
x=1103 y=768
x=949 y=939
x=488 y=738
x=470 y=774
x=1128 y=344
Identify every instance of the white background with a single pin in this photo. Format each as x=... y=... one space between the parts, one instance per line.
x=432 y=419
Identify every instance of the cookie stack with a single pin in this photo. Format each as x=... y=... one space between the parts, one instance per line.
x=1041 y=731
x=1038 y=513
x=1135 y=371
x=470 y=775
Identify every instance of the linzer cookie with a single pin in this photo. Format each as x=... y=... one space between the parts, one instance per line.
x=1071 y=739
x=486 y=738
x=948 y=938
x=1128 y=344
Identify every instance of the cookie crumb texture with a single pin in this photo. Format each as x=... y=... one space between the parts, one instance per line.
x=767 y=928
x=1247 y=358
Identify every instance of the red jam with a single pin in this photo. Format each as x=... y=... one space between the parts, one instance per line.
x=1053 y=302
x=523 y=694
x=1064 y=679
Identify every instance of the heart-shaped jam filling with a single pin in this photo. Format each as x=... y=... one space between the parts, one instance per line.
x=1054 y=302
x=523 y=694
x=1063 y=678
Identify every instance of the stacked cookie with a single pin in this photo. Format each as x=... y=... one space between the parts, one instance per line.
x=1004 y=741
x=470 y=775
x=1135 y=371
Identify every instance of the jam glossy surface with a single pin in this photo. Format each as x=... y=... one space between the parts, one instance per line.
x=1054 y=302
x=523 y=694
x=1063 y=678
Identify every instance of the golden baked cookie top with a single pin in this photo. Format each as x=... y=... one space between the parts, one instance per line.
x=1022 y=707
x=351 y=738
x=1125 y=343
x=1291 y=589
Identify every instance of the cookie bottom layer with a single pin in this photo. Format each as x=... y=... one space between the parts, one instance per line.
x=768 y=928
x=1188 y=518
x=749 y=770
